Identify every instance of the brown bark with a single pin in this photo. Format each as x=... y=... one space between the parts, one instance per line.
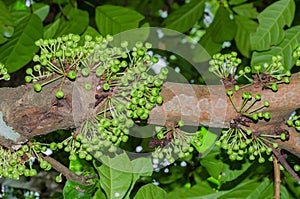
x=31 y=114
x=277 y=179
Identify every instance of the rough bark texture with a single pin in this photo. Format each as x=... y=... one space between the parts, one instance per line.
x=31 y=114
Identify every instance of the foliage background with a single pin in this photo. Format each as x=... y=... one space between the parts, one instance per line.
x=255 y=29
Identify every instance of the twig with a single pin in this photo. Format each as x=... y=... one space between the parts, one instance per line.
x=65 y=171
x=279 y=157
x=277 y=179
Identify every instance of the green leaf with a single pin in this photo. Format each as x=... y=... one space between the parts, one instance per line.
x=41 y=10
x=75 y=190
x=60 y=1
x=246 y=10
x=81 y=166
x=284 y=193
x=249 y=189
x=209 y=44
x=76 y=22
x=245 y=27
x=5 y=17
x=222 y=169
x=6 y=23
x=19 y=5
x=115 y=19
x=236 y=2
x=269 y=191
x=223 y=24
x=90 y=31
x=120 y=162
x=18 y=51
x=99 y=194
x=140 y=167
x=186 y=16
x=115 y=179
x=292 y=184
x=208 y=140
x=150 y=191
x=285 y=49
x=178 y=192
x=271 y=23
x=51 y=29
x=203 y=191
x=3 y=39
x=176 y=173
x=19 y=16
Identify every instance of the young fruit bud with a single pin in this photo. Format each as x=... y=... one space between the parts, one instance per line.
x=160 y=136
x=261 y=160
x=58 y=179
x=106 y=87
x=229 y=92
x=296 y=167
x=286 y=80
x=85 y=72
x=255 y=117
x=236 y=87
x=258 y=97
x=37 y=87
x=266 y=104
x=60 y=94
x=282 y=136
x=267 y=115
x=159 y=100
x=28 y=79
x=257 y=68
x=274 y=87
x=180 y=123
x=72 y=75
x=247 y=69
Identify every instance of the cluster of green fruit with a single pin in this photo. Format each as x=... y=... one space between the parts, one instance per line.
x=72 y=146
x=238 y=140
x=133 y=92
x=61 y=58
x=224 y=65
x=174 y=142
x=294 y=122
x=4 y=75
x=13 y=164
x=139 y=96
x=129 y=90
x=249 y=111
x=136 y=91
x=296 y=54
x=92 y=141
x=269 y=75
x=104 y=136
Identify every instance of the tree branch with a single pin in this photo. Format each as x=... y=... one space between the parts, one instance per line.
x=277 y=179
x=65 y=171
x=30 y=114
